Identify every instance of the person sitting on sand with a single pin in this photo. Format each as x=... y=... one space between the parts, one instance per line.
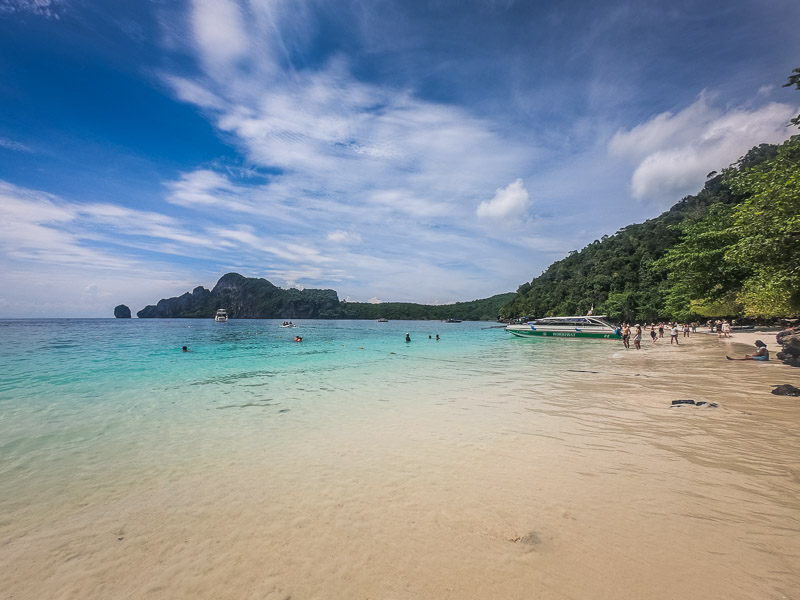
x=761 y=354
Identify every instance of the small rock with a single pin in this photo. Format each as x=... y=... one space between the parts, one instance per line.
x=786 y=390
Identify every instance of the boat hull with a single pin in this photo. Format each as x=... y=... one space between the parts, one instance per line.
x=529 y=332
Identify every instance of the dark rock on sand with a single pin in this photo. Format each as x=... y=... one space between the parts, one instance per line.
x=122 y=312
x=693 y=403
x=790 y=340
x=786 y=390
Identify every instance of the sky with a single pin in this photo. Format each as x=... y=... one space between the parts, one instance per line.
x=414 y=151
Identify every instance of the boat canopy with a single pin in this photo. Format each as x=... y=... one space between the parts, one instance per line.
x=584 y=321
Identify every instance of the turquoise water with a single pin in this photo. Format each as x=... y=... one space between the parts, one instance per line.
x=93 y=395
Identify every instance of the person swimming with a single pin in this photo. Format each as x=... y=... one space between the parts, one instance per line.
x=297 y=338
x=408 y=337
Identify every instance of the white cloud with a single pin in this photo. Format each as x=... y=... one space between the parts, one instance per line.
x=511 y=201
x=374 y=300
x=219 y=32
x=344 y=237
x=674 y=152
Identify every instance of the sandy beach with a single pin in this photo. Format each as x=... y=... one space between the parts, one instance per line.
x=583 y=484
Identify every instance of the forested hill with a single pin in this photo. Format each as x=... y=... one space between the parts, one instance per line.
x=486 y=309
x=697 y=259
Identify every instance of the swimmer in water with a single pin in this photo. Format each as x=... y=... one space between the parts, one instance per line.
x=408 y=337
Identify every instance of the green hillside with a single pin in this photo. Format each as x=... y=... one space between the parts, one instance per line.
x=733 y=249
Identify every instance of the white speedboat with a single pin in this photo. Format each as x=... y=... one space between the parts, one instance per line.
x=221 y=316
x=571 y=327
x=288 y=324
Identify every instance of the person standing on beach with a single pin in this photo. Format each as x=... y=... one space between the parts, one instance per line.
x=653 y=334
x=626 y=335
x=726 y=329
x=661 y=330
x=685 y=330
x=637 y=339
x=673 y=334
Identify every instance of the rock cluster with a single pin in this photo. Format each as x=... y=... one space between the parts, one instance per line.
x=122 y=312
x=790 y=340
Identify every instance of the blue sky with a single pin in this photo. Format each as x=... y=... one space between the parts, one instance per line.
x=394 y=151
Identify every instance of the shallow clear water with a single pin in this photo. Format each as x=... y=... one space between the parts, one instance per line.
x=354 y=464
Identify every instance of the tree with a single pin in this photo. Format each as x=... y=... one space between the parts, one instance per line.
x=794 y=80
x=767 y=231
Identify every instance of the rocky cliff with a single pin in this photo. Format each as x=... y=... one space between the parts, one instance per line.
x=122 y=312
x=244 y=298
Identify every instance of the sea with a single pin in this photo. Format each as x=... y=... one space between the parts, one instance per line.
x=355 y=464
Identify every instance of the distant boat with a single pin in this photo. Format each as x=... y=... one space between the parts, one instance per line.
x=288 y=324
x=222 y=316
x=573 y=327
x=452 y=321
x=383 y=320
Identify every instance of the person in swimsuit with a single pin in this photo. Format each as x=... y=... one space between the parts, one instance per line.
x=637 y=339
x=626 y=335
x=761 y=353
x=653 y=334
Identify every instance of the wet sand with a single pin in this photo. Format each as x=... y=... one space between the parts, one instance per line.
x=585 y=484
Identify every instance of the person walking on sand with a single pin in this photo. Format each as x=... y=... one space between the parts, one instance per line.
x=626 y=335
x=637 y=339
x=673 y=334
x=653 y=334
x=685 y=330
x=661 y=330
x=726 y=329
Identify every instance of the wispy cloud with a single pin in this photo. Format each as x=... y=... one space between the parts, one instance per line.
x=12 y=145
x=51 y=9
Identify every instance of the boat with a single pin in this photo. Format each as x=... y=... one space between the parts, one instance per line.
x=383 y=320
x=452 y=321
x=221 y=316
x=571 y=327
x=288 y=324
